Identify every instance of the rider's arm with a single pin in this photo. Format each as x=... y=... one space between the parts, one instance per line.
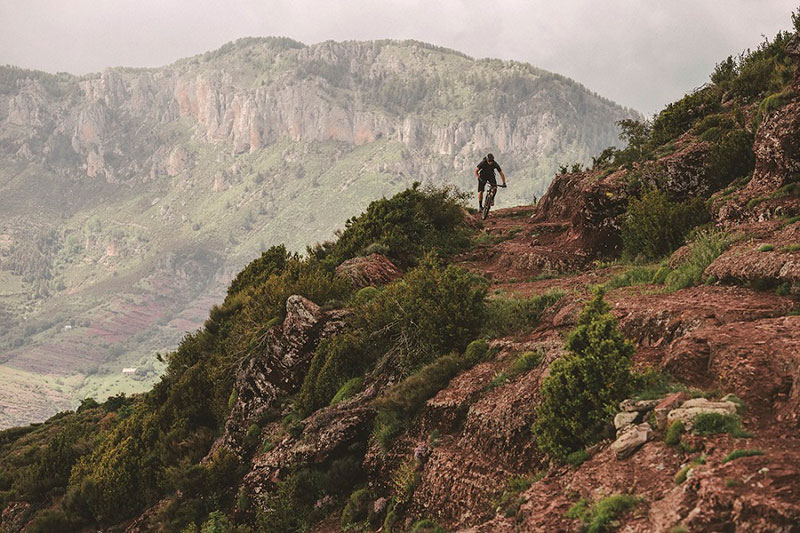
x=477 y=175
x=503 y=176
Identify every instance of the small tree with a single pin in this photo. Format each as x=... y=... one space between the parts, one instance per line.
x=584 y=387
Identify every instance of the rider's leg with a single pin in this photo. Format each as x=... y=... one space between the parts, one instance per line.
x=480 y=199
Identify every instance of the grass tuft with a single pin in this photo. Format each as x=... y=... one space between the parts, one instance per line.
x=736 y=454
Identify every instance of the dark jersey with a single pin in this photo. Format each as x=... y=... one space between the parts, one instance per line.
x=486 y=169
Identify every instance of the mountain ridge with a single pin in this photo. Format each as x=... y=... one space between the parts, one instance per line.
x=259 y=142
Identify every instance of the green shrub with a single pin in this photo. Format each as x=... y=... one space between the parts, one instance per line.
x=336 y=361
x=499 y=379
x=365 y=295
x=348 y=390
x=736 y=454
x=432 y=310
x=357 y=508
x=403 y=400
x=601 y=516
x=651 y=384
x=766 y=247
x=731 y=157
x=50 y=520
x=507 y=316
x=679 y=116
x=510 y=500
x=577 y=458
x=783 y=289
x=764 y=70
x=637 y=275
x=252 y=435
x=271 y=262
x=403 y=226
x=683 y=473
x=217 y=523
x=404 y=480
x=715 y=423
x=707 y=246
x=654 y=226
x=578 y=509
x=426 y=526
x=674 y=432
x=584 y=387
x=525 y=361
x=476 y=352
x=773 y=102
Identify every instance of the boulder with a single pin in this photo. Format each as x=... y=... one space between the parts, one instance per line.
x=631 y=439
x=638 y=406
x=668 y=403
x=625 y=419
x=374 y=269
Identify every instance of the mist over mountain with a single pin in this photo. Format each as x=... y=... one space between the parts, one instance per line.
x=128 y=198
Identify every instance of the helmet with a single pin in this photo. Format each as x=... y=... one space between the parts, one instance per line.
x=490 y=157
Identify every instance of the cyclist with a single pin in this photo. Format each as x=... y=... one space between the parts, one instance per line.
x=485 y=172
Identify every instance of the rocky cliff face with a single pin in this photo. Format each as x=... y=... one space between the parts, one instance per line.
x=253 y=93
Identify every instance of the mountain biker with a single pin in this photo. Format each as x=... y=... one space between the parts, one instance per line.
x=485 y=172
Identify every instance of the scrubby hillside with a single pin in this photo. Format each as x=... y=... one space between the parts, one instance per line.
x=129 y=198
x=625 y=354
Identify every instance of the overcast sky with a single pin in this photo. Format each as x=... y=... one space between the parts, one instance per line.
x=640 y=53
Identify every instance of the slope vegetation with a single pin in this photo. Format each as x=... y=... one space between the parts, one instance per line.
x=619 y=355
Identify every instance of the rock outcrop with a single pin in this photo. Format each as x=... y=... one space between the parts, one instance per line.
x=372 y=270
x=276 y=371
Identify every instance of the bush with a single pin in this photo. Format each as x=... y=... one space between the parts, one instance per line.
x=403 y=400
x=336 y=361
x=600 y=516
x=679 y=116
x=271 y=262
x=637 y=275
x=654 y=226
x=432 y=310
x=404 y=480
x=510 y=501
x=507 y=316
x=347 y=391
x=426 y=526
x=715 y=423
x=707 y=246
x=357 y=508
x=404 y=226
x=731 y=157
x=577 y=458
x=674 y=432
x=476 y=351
x=525 y=362
x=584 y=387
x=683 y=473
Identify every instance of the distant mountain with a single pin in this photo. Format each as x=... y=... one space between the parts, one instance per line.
x=129 y=198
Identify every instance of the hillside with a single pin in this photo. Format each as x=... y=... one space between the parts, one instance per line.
x=129 y=198
x=624 y=355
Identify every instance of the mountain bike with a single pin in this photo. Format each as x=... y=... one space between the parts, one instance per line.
x=489 y=200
